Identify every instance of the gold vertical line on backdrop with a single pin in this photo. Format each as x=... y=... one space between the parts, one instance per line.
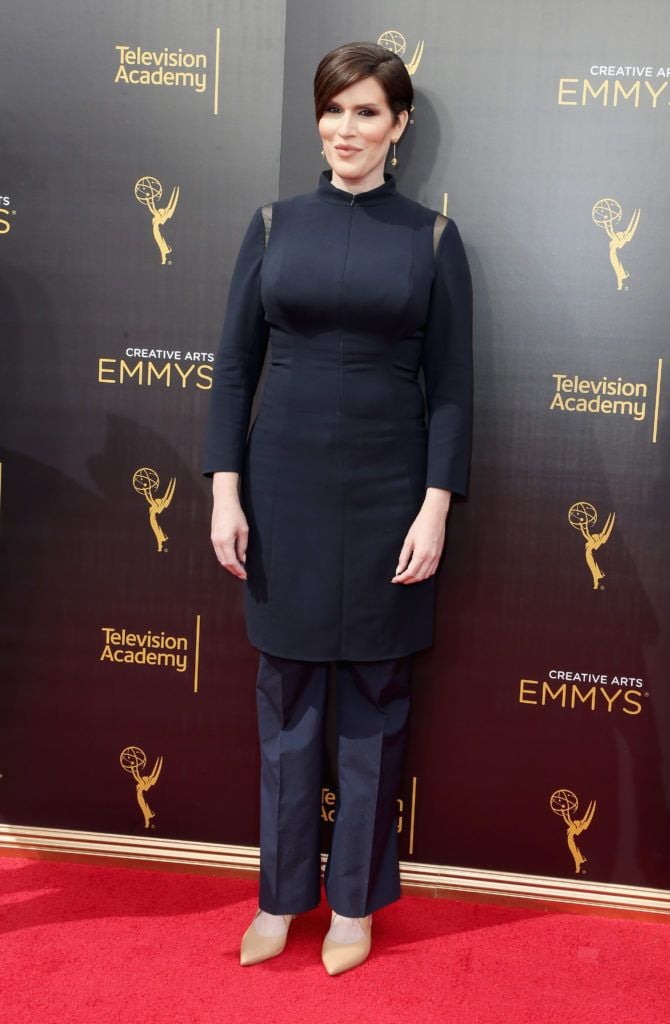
x=411 y=817
x=658 y=400
x=445 y=200
x=197 y=654
x=216 y=70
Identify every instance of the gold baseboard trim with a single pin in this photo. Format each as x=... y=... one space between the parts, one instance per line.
x=164 y=851
x=428 y=879
x=559 y=893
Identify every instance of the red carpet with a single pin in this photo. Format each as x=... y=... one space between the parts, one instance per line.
x=87 y=944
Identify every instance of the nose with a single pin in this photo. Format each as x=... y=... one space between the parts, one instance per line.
x=347 y=125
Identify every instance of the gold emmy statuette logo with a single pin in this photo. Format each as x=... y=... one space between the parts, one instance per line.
x=132 y=760
x=148 y=191
x=582 y=516
x=146 y=482
x=606 y=213
x=395 y=42
x=564 y=803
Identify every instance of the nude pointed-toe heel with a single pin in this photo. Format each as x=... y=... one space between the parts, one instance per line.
x=338 y=957
x=255 y=948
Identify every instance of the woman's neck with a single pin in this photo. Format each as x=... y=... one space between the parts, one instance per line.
x=356 y=185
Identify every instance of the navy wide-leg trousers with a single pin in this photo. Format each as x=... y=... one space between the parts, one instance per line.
x=372 y=704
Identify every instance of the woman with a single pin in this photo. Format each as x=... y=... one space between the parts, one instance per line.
x=333 y=510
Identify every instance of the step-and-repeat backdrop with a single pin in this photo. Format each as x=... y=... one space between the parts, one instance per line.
x=138 y=140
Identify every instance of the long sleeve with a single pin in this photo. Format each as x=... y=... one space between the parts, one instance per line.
x=447 y=366
x=239 y=359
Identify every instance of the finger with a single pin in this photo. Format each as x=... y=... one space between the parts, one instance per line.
x=405 y=556
x=235 y=567
x=242 y=541
x=218 y=548
x=225 y=546
x=424 y=572
x=431 y=568
x=228 y=559
x=403 y=569
x=431 y=565
x=426 y=568
x=420 y=568
x=219 y=545
x=410 y=572
x=239 y=573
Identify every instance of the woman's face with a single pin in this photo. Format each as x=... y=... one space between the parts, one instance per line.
x=356 y=129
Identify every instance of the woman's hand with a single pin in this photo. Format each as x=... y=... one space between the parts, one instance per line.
x=424 y=542
x=230 y=530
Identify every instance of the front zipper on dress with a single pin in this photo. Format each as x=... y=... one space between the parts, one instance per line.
x=341 y=425
x=346 y=256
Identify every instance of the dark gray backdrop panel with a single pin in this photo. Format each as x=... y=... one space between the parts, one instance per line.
x=82 y=281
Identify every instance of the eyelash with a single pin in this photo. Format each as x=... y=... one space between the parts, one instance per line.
x=372 y=113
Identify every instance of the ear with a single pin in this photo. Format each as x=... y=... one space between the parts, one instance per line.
x=401 y=123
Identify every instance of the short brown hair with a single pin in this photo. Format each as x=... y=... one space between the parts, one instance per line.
x=350 y=62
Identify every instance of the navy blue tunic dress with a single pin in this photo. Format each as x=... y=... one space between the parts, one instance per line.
x=354 y=304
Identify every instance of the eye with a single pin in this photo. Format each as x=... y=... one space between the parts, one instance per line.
x=334 y=108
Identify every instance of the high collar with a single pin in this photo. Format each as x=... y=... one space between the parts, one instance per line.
x=332 y=194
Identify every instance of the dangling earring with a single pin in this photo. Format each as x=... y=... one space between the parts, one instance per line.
x=394 y=158
x=323 y=154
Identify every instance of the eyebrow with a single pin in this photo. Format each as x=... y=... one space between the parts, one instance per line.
x=371 y=104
